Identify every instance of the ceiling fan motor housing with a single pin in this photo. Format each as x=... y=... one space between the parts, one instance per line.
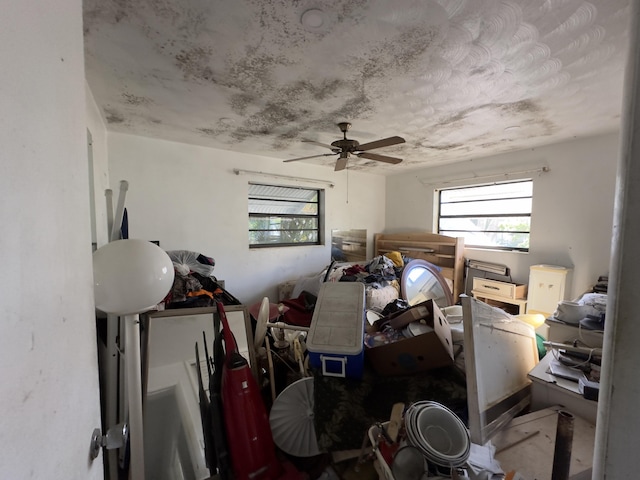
x=346 y=145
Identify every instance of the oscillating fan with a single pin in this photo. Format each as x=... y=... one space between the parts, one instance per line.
x=291 y=420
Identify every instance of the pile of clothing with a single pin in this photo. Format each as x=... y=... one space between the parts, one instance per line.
x=194 y=284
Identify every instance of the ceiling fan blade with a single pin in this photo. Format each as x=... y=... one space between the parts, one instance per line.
x=306 y=158
x=330 y=147
x=380 y=158
x=341 y=164
x=385 y=142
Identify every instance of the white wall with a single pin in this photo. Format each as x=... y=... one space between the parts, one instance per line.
x=188 y=197
x=572 y=213
x=48 y=365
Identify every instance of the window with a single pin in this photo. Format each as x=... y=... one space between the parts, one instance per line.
x=496 y=216
x=284 y=216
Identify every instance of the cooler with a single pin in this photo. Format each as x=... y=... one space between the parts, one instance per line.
x=336 y=334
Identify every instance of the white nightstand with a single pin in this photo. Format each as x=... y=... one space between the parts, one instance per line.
x=548 y=285
x=501 y=294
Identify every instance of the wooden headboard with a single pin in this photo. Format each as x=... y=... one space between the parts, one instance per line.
x=445 y=252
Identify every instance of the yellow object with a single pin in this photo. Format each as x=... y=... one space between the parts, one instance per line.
x=533 y=319
x=396 y=258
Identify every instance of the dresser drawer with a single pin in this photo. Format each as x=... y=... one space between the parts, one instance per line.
x=502 y=289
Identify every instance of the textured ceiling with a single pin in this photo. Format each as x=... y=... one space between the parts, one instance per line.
x=458 y=79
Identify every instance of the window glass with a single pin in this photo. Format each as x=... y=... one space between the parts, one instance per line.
x=283 y=216
x=494 y=216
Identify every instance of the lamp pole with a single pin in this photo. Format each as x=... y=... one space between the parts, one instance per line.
x=134 y=395
x=132 y=276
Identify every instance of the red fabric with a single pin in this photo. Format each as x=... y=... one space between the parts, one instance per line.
x=298 y=313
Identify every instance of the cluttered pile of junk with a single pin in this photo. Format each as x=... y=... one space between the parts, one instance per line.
x=324 y=404
x=238 y=443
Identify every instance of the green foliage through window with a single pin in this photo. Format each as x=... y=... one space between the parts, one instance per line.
x=496 y=216
x=284 y=216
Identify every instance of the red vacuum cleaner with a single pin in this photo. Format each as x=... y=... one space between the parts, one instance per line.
x=249 y=438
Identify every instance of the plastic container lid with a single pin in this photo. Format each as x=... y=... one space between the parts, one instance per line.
x=337 y=325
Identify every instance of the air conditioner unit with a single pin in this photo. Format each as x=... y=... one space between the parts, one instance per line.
x=494 y=268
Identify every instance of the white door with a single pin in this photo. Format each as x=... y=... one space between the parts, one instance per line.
x=49 y=394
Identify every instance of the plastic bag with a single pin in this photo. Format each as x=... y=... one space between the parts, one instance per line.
x=185 y=259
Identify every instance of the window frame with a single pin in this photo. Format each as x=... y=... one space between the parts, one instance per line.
x=319 y=216
x=438 y=201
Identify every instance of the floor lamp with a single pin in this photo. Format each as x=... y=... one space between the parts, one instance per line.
x=130 y=277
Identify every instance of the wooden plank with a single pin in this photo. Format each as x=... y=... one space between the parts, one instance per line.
x=417 y=237
x=533 y=456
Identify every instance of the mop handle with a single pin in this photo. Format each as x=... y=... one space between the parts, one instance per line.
x=229 y=339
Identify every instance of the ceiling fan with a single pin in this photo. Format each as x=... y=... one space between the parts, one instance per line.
x=346 y=147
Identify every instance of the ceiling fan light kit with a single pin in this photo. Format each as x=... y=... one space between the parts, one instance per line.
x=346 y=147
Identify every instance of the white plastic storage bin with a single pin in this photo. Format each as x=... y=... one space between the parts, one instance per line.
x=336 y=334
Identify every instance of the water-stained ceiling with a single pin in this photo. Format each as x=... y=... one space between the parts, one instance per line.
x=458 y=79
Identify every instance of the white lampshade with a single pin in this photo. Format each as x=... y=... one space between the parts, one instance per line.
x=131 y=276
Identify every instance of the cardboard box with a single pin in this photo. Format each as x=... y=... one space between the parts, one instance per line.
x=414 y=313
x=416 y=354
